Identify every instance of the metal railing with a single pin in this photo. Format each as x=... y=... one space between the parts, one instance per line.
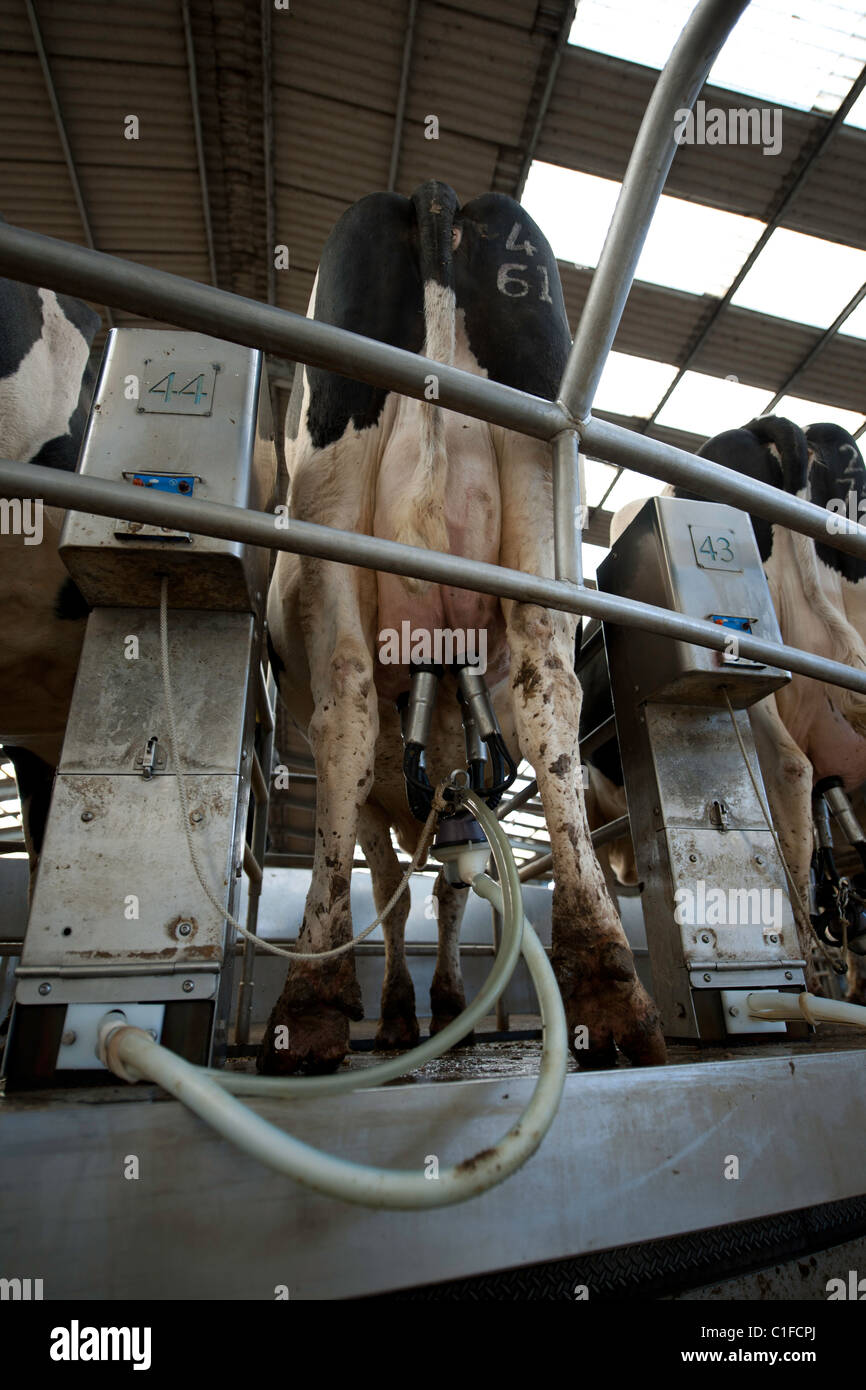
x=566 y=423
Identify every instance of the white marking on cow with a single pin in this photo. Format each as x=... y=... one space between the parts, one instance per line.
x=38 y=400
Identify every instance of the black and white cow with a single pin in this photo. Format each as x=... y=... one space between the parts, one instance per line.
x=45 y=390
x=808 y=730
x=477 y=286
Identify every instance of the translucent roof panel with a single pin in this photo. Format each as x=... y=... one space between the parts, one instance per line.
x=592 y=558
x=802 y=278
x=799 y=53
x=632 y=385
x=631 y=486
x=689 y=247
x=804 y=413
x=597 y=478
x=707 y=405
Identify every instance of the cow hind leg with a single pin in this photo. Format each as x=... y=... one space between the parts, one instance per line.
x=398 y=1025
x=606 y=1006
x=787 y=776
x=447 y=996
x=605 y=1003
x=308 y=1029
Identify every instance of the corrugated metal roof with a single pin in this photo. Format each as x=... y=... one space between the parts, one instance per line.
x=336 y=75
x=595 y=111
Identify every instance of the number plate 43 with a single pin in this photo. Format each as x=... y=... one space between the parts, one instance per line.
x=715 y=550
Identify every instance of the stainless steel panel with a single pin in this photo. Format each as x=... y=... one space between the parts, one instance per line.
x=131 y=855
x=697 y=762
x=119 y=702
x=633 y=1155
x=117 y=989
x=177 y=402
x=660 y=558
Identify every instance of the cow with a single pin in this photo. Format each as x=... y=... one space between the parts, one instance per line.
x=476 y=286
x=46 y=384
x=808 y=730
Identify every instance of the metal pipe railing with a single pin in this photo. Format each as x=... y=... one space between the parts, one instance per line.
x=566 y=508
x=41 y=260
x=59 y=265
x=678 y=84
x=612 y=442
x=105 y=498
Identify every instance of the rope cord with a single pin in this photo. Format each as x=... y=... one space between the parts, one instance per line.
x=418 y=858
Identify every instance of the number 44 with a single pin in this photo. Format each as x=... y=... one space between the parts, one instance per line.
x=165 y=388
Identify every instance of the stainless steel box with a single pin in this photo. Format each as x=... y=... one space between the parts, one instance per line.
x=182 y=413
x=699 y=559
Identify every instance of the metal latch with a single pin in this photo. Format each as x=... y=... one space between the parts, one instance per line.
x=152 y=759
x=719 y=815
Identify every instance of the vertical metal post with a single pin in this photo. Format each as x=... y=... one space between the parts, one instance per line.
x=266 y=697
x=567 y=507
x=679 y=83
x=502 y=1020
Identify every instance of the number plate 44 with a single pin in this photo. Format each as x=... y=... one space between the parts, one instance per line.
x=183 y=390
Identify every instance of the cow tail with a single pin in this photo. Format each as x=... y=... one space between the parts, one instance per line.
x=421 y=520
x=791 y=448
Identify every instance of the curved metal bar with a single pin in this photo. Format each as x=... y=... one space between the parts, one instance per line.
x=679 y=83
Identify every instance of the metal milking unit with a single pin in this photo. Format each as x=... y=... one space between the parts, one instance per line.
x=702 y=842
x=119 y=918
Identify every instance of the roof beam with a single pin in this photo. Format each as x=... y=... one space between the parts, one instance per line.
x=400 y=115
x=510 y=176
x=199 y=144
x=544 y=99
x=268 y=142
x=64 y=138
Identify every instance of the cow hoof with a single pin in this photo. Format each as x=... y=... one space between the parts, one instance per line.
x=440 y=1021
x=611 y=1014
x=397 y=1034
x=312 y=1044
